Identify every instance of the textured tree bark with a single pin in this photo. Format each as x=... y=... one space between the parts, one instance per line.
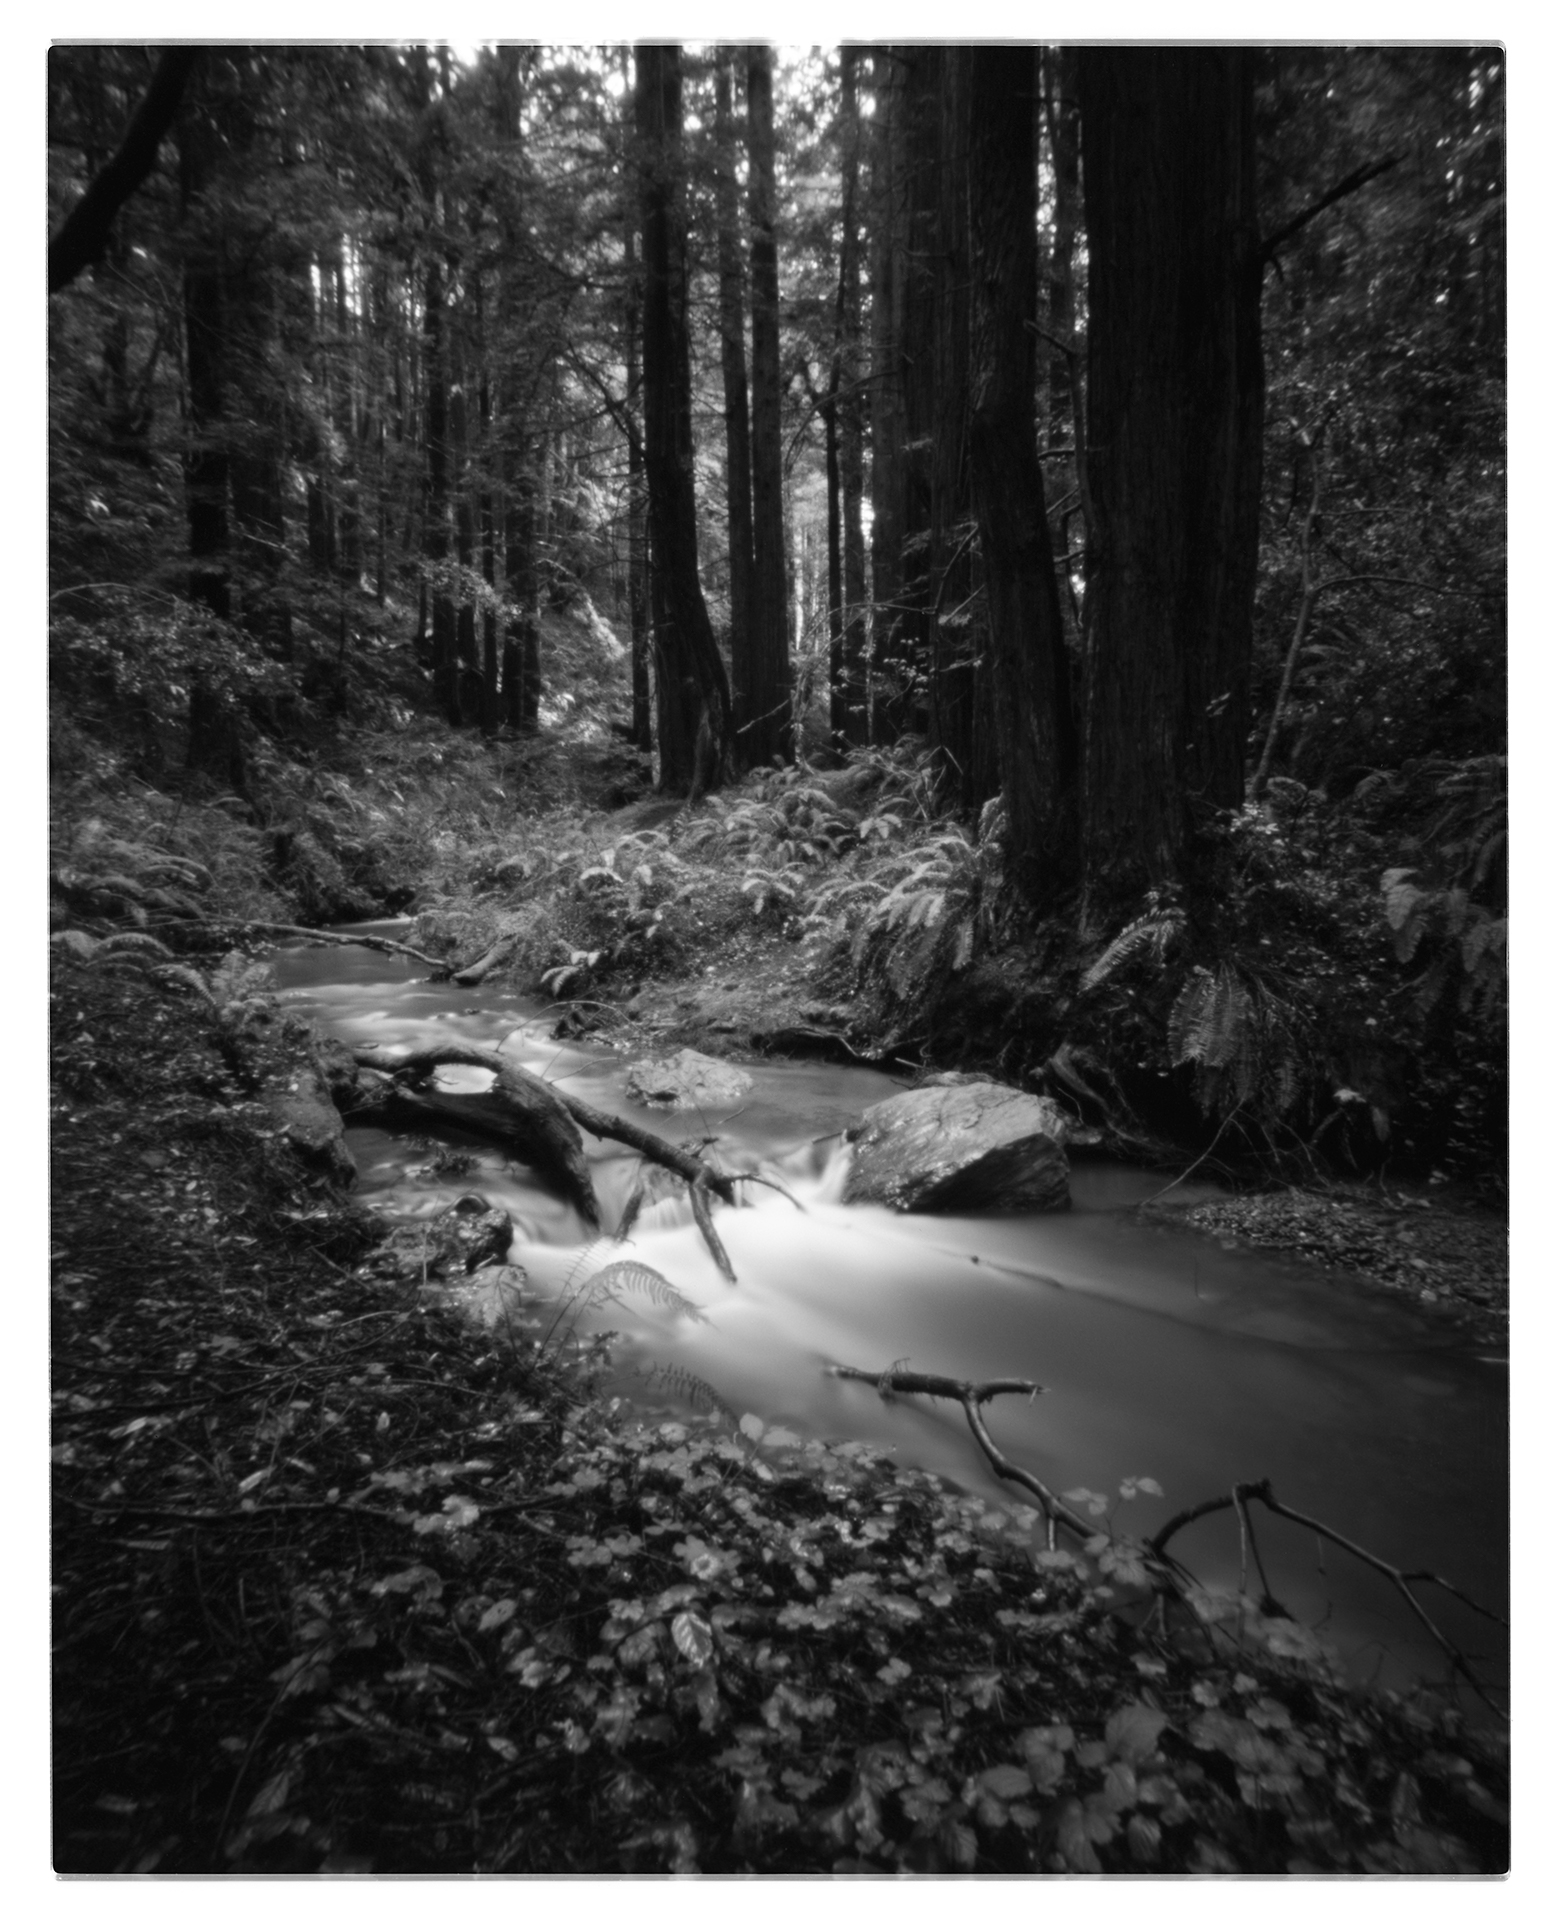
x=737 y=415
x=835 y=619
x=906 y=228
x=82 y=239
x=693 y=687
x=1175 y=427
x=1036 y=739
x=768 y=727
x=957 y=638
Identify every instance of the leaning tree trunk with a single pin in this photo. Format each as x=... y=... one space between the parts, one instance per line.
x=694 y=704
x=1029 y=662
x=1175 y=429
x=769 y=707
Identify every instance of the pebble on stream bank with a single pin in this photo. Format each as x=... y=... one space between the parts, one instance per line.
x=1429 y=1248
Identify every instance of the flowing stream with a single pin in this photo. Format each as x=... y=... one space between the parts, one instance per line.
x=1164 y=1354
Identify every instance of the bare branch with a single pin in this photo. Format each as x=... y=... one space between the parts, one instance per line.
x=1353 y=182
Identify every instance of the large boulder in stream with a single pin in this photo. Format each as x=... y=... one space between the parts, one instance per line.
x=963 y=1146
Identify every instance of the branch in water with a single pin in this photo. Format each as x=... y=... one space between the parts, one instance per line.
x=972 y=1396
x=1400 y=1577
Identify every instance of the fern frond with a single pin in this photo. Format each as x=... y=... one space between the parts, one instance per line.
x=638 y=1278
x=682 y=1383
x=73 y=942
x=1155 y=934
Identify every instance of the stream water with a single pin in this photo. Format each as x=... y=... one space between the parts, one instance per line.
x=1164 y=1354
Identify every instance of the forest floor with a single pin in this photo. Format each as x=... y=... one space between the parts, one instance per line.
x=343 y=1584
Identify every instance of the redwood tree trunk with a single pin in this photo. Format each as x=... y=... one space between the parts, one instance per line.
x=693 y=703
x=1175 y=427
x=768 y=729
x=1029 y=664
x=955 y=638
x=905 y=235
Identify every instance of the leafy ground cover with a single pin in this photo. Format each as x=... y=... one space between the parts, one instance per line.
x=344 y=1583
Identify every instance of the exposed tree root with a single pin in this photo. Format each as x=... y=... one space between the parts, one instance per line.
x=543 y=1123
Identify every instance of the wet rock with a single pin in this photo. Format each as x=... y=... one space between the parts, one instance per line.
x=686 y=1080
x=301 y=1103
x=474 y=1232
x=957 y=1147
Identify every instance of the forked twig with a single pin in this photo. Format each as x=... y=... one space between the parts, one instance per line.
x=973 y=1396
x=1264 y=1493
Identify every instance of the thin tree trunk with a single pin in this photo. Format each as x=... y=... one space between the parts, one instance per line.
x=489 y=713
x=768 y=730
x=886 y=428
x=206 y=463
x=737 y=417
x=854 y=655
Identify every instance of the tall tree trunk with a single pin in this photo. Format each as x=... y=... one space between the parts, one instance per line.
x=768 y=730
x=835 y=621
x=206 y=464
x=489 y=713
x=956 y=646
x=905 y=222
x=1036 y=738
x=1061 y=311
x=637 y=502
x=737 y=415
x=694 y=702
x=465 y=495
x=1176 y=411
x=849 y=327
x=521 y=660
x=442 y=622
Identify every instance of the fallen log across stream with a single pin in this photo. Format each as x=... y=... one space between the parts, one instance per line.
x=386 y=945
x=1165 y=1572
x=540 y=1125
